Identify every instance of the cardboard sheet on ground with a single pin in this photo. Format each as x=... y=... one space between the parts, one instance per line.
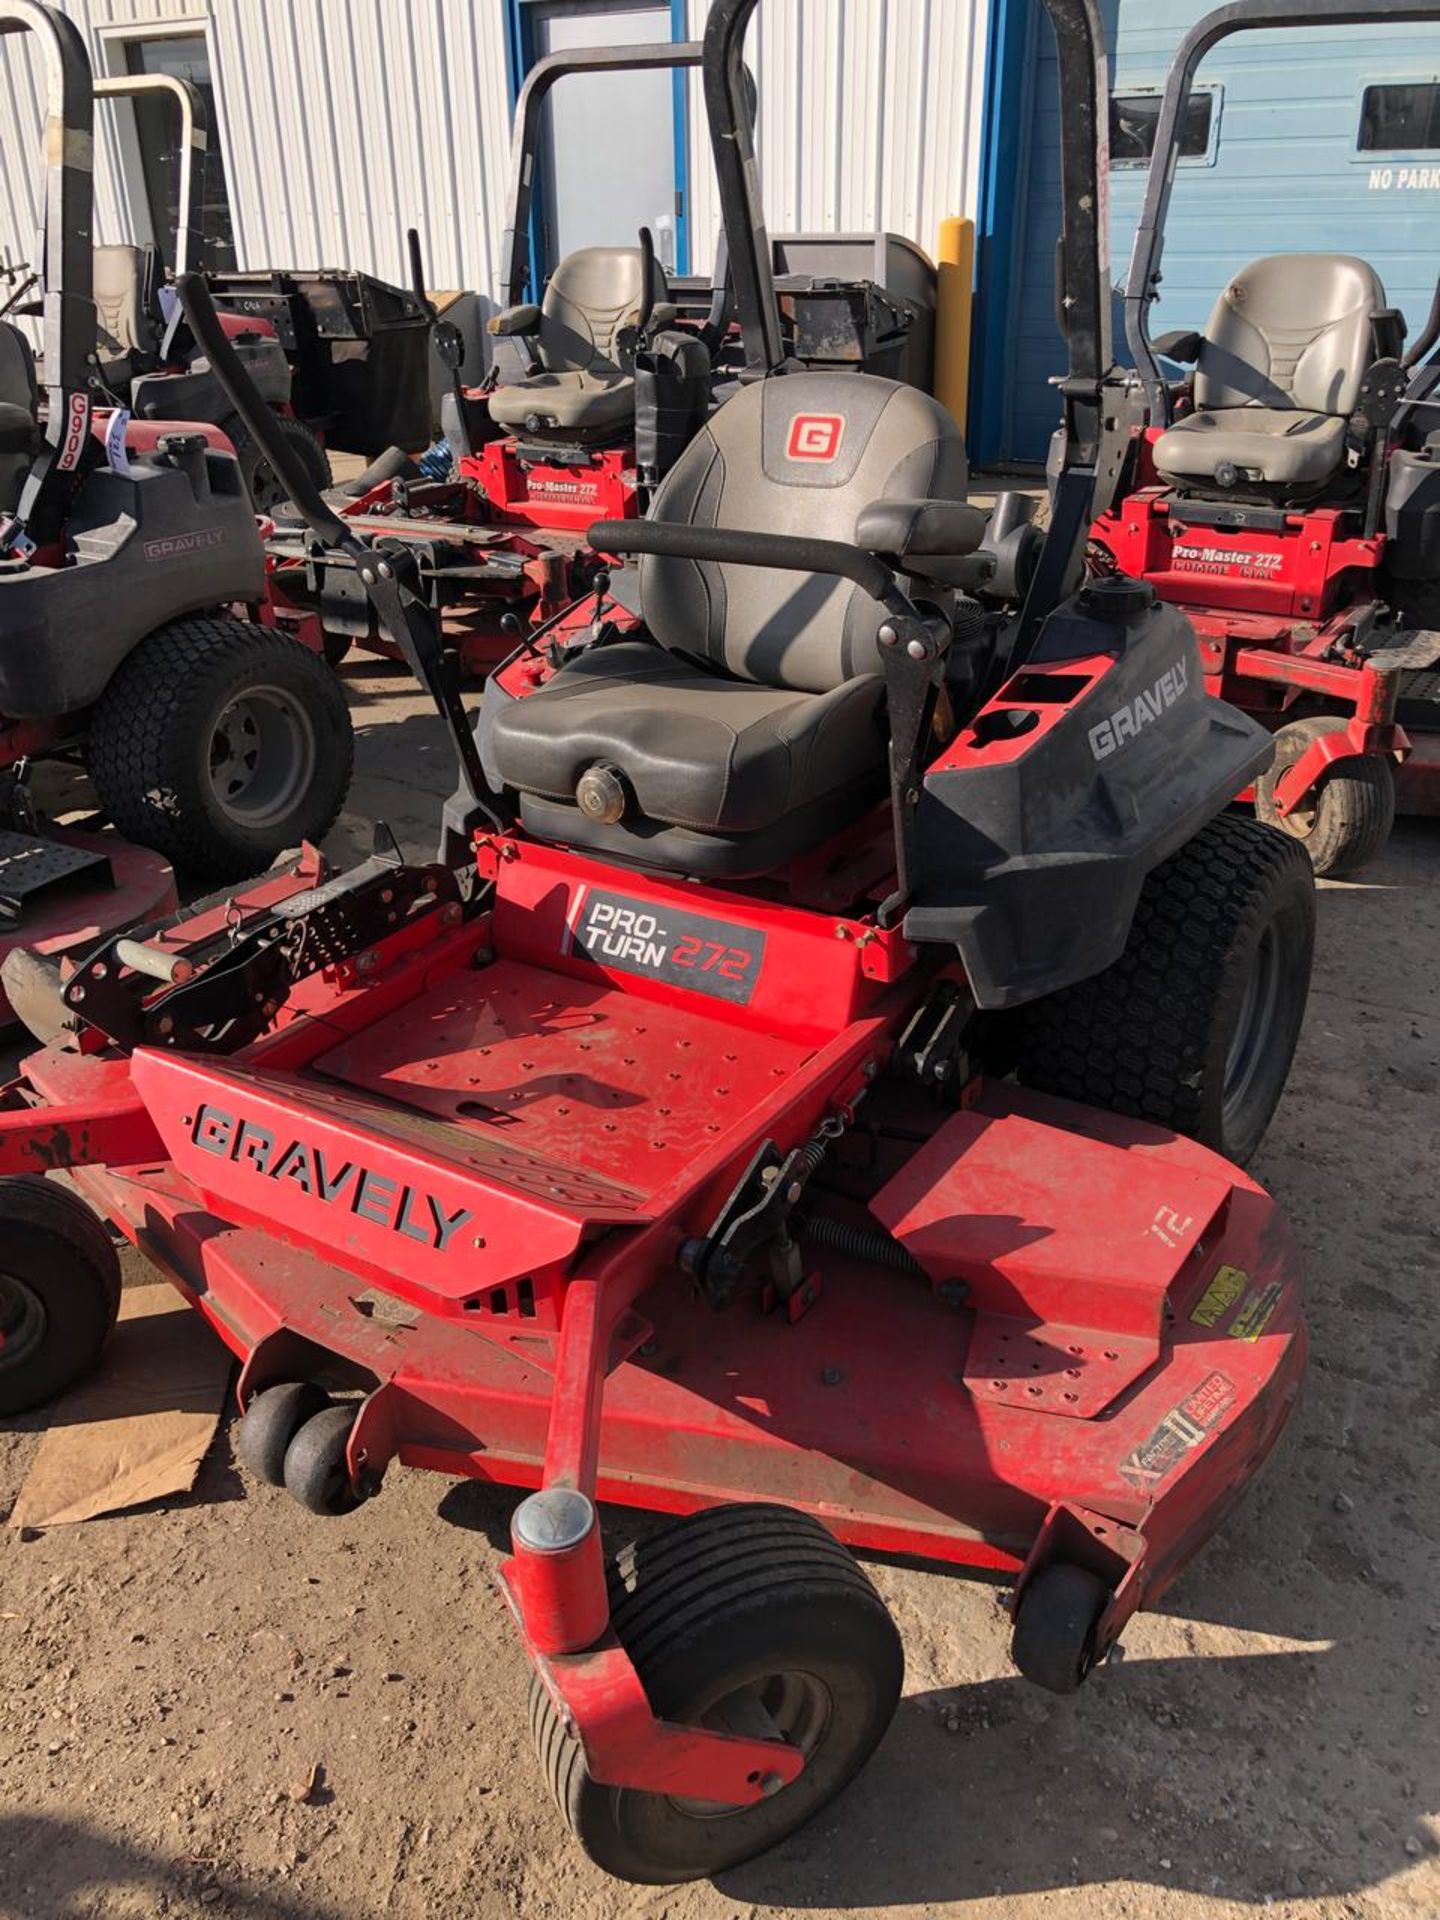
x=138 y=1428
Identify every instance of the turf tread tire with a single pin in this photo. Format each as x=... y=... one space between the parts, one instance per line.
x=86 y=1286
x=675 y=1597
x=1146 y=1037
x=164 y=698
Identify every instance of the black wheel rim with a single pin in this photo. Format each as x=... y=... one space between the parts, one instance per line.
x=788 y=1706
x=1253 y=1040
x=22 y=1322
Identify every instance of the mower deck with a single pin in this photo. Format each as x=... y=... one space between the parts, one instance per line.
x=1036 y=1378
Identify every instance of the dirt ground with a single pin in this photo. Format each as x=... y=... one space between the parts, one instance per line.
x=169 y=1678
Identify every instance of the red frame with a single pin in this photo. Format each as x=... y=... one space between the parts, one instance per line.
x=1274 y=611
x=463 y=1171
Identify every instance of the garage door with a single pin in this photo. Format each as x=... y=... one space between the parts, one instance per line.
x=1320 y=139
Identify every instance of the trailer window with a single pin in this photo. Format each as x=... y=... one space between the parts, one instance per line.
x=1403 y=117
x=1135 y=116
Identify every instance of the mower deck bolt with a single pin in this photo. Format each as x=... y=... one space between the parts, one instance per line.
x=916 y=649
x=887 y=635
x=953 y=1292
x=831 y=1376
x=771 y=1785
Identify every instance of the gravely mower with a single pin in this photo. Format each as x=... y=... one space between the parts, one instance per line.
x=209 y=740
x=645 y=1147
x=592 y=395
x=1287 y=496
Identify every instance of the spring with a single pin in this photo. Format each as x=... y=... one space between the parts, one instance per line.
x=875 y=1248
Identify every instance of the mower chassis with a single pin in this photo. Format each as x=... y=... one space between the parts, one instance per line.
x=1041 y=1385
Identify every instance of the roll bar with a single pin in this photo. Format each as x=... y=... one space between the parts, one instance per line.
x=1240 y=16
x=64 y=266
x=194 y=143
x=515 y=241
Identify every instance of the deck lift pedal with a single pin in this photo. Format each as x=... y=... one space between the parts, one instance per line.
x=653 y=1144
x=1287 y=496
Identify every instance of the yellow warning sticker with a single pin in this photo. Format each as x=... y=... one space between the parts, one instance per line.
x=1218 y=1298
x=1253 y=1318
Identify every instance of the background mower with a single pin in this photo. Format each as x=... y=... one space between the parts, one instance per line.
x=211 y=741
x=653 y=1143
x=592 y=394
x=1287 y=496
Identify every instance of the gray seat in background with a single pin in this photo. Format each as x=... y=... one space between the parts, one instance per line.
x=127 y=328
x=19 y=399
x=585 y=387
x=754 y=728
x=1279 y=373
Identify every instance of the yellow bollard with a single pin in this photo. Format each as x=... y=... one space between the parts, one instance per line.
x=955 y=259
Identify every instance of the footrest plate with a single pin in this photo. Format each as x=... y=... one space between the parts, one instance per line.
x=32 y=868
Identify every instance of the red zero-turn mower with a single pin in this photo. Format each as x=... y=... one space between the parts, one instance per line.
x=654 y=1145
x=592 y=396
x=208 y=740
x=1287 y=497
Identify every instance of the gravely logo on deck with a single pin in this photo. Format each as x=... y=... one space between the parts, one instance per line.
x=344 y=1184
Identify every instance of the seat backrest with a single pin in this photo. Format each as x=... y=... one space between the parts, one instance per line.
x=124 y=285
x=592 y=295
x=801 y=454
x=1291 y=330
x=19 y=398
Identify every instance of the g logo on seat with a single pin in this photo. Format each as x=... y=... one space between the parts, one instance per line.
x=815 y=436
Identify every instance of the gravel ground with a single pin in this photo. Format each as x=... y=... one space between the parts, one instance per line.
x=171 y=1679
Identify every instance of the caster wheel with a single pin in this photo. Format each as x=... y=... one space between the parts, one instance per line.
x=1347 y=817
x=747 y=1619
x=315 y=1469
x=1054 y=1639
x=271 y=1422
x=59 y=1291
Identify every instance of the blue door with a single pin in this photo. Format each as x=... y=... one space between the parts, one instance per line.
x=1313 y=140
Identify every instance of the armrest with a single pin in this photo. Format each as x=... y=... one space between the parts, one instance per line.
x=911 y=529
x=740 y=547
x=1182 y=346
x=664 y=313
x=514 y=320
x=1389 y=326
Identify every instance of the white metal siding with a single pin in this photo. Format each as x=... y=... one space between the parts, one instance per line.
x=342 y=122
x=870 y=116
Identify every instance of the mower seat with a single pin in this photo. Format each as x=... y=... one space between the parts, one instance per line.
x=127 y=326
x=19 y=431
x=751 y=726
x=1277 y=376
x=585 y=389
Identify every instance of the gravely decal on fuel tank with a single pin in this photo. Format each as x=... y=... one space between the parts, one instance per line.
x=1136 y=714
x=354 y=1189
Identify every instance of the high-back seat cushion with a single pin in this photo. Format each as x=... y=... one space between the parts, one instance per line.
x=1284 y=354
x=593 y=295
x=759 y=712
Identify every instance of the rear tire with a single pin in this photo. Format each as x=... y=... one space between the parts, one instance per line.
x=1350 y=813
x=262 y=482
x=1195 y=1025
x=743 y=1617
x=59 y=1291
x=221 y=745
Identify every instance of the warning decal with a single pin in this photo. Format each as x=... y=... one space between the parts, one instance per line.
x=1184 y=1428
